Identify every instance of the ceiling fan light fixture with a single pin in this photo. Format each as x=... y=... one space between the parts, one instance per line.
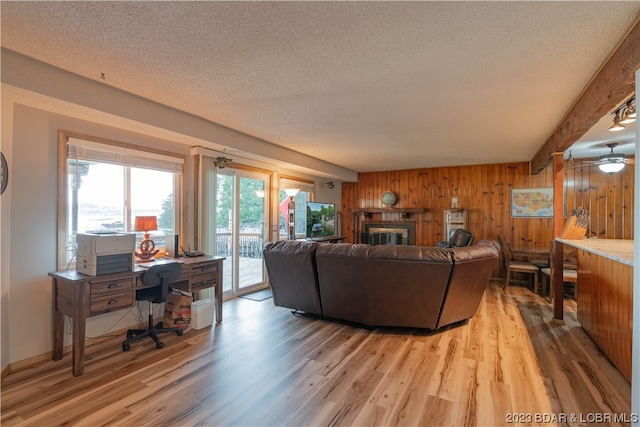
x=611 y=167
x=222 y=162
x=612 y=162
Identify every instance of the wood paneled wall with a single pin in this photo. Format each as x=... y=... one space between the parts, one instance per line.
x=609 y=197
x=485 y=191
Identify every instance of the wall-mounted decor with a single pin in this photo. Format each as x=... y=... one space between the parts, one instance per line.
x=4 y=173
x=532 y=202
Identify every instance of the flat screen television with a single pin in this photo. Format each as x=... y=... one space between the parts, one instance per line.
x=320 y=219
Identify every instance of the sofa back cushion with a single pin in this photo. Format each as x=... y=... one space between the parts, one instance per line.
x=291 y=266
x=472 y=268
x=342 y=279
x=407 y=284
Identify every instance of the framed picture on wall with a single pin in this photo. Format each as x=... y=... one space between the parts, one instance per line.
x=532 y=202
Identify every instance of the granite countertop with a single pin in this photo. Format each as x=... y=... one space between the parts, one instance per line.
x=620 y=250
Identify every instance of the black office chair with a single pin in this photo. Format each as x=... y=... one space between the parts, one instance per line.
x=158 y=276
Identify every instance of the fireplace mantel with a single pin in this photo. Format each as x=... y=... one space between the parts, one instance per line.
x=388 y=210
x=383 y=210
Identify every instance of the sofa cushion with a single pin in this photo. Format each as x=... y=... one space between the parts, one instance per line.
x=342 y=279
x=407 y=284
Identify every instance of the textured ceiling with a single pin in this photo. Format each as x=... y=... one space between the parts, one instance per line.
x=365 y=85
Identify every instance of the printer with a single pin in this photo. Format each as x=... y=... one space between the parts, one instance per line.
x=105 y=253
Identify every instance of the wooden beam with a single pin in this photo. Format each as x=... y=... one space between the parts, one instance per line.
x=558 y=225
x=610 y=87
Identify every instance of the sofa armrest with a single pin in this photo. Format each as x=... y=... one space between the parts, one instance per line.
x=291 y=266
x=472 y=268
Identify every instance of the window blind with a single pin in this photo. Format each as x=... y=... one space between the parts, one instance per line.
x=290 y=183
x=114 y=154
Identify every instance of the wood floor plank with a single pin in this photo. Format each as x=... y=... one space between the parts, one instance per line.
x=437 y=412
x=264 y=366
x=500 y=403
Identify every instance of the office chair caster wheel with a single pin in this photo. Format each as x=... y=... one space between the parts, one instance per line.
x=180 y=332
x=159 y=344
x=126 y=347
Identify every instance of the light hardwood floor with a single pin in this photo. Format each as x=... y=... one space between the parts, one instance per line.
x=264 y=366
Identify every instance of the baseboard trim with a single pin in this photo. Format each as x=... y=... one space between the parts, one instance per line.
x=5 y=373
x=32 y=361
x=45 y=357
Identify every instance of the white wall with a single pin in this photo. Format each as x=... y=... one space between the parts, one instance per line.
x=29 y=226
x=635 y=348
x=31 y=244
x=5 y=231
x=37 y=101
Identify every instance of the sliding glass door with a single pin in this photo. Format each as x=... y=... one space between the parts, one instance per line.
x=241 y=229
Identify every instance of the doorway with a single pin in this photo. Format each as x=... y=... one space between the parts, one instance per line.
x=241 y=229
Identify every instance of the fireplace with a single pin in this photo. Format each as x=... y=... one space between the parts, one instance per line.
x=389 y=233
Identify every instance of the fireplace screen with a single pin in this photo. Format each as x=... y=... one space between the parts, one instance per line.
x=388 y=236
x=389 y=233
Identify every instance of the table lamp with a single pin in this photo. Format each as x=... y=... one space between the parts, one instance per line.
x=147 y=249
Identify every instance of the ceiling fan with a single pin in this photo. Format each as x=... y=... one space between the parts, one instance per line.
x=612 y=162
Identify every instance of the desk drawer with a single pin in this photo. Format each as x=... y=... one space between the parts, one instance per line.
x=203 y=269
x=108 y=286
x=104 y=303
x=111 y=295
x=203 y=281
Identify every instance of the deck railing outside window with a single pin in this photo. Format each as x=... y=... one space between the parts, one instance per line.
x=251 y=244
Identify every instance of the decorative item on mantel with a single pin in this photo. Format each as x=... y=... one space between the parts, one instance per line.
x=147 y=249
x=577 y=224
x=388 y=199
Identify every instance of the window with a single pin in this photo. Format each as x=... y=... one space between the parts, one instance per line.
x=301 y=198
x=108 y=184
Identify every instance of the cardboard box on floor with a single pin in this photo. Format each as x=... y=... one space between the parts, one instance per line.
x=177 y=310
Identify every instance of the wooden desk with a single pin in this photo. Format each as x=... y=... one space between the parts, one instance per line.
x=79 y=297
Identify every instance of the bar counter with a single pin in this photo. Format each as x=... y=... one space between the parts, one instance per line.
x=620 y=250
x=604 y=296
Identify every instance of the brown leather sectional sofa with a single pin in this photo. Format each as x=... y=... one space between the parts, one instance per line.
x=406 y=286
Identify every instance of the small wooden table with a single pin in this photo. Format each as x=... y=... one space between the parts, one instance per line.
x=530 y=252
x=80 y=296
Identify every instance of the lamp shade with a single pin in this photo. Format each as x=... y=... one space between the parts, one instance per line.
x=145 y=223
x=291 y=192
x=611 y=167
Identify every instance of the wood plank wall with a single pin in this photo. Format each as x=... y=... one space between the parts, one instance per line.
x=485 y=191
x=609 y=197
